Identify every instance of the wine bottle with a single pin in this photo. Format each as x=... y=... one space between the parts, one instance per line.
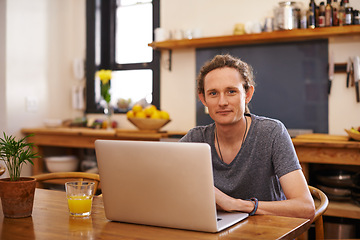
x=341 y=14
x=335 y=6
x=348 y=13
x=312 y=14
x=322 y=15
x=328 y=14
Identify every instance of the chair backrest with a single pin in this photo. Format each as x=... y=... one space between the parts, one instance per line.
x=2 y=170
x=79 y=176
x=319 y=211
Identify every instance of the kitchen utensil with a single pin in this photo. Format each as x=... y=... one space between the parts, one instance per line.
x=62 y=163
x=331 y=71
x=348 y=70
x=287 y=15
x=356 y=181
x=352 y=80
x=356 y=64
x=334 y=193
x=335 y=178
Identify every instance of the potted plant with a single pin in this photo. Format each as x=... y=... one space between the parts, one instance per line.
x=17 y=193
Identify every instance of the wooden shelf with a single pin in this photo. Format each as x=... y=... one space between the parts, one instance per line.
x=342 y=209
x=260 y=38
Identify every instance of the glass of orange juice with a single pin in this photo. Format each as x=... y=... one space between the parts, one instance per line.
x=79 y=195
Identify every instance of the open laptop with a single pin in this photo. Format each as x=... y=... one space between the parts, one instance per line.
x=167 y=184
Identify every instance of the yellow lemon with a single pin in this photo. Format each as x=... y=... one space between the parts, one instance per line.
x=149 y=110
x=156 y=115
x=140 y=114
x=164 y=115
x=130 y=114
x=137 y=108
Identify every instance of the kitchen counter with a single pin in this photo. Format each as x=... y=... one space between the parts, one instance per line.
x=85 y=138
x=327 y=150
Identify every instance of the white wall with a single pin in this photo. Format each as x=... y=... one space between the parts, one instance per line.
x=2 y=66
x=42 y=39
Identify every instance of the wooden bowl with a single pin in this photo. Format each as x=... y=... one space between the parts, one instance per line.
x=149 y=123
x=355 y=136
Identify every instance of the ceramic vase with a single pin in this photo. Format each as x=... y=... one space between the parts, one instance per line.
x=108 y=111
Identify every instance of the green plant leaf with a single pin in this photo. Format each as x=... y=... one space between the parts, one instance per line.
x=15 y=153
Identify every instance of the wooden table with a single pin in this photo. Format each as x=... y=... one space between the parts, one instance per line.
x=50 y=220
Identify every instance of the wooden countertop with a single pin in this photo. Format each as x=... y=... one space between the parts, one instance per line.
x=325 y=140
x=60 y=136
x=97 y=132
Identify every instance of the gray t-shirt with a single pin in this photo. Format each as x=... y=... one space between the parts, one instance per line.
x=266 y=155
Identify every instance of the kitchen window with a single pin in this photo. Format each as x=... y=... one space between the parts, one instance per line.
x=118 y=33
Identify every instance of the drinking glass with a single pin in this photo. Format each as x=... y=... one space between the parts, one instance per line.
x=79 y=195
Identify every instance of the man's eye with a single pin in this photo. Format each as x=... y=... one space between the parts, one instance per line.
x=231 y=91
x=212 y=93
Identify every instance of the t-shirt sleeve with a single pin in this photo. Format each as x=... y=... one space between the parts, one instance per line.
x=284 y=156
x=196 y=134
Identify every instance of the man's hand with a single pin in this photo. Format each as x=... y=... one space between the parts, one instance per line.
x=230 y=204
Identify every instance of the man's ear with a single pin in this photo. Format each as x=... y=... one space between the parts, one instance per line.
x=249 y=94
x=202 y=99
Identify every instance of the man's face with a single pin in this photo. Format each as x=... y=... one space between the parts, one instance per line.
x=224 y=95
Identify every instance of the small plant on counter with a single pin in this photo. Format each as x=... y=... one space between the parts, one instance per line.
x=15 y=153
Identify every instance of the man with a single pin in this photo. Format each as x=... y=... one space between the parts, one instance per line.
x=255 y=166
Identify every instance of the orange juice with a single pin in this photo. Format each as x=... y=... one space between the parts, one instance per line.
x=80 y=205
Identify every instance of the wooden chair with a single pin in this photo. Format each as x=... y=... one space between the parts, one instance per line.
x=2 y=170
x=78 y=176
x=319 y=211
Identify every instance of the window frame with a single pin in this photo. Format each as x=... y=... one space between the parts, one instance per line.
x=107 y=50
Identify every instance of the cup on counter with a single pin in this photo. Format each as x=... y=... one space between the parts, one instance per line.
x=79 y=195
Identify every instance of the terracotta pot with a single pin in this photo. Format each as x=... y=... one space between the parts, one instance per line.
x=17 y=197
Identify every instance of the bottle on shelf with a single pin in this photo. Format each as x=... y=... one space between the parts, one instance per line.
x=335 y=6
x=348 y=13
x=317 y=12
x=322 y=15
x=312 y=14
x=356 y=17
x=328 y=14
x=341 y=13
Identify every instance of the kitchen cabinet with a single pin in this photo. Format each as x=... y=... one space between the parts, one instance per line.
x=330 y=150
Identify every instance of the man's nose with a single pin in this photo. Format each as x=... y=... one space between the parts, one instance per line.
x=223 y=99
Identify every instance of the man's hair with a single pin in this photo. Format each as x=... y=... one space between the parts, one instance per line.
x=221 y=61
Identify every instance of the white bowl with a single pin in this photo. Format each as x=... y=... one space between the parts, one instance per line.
x=53 y=123
x=62 y=163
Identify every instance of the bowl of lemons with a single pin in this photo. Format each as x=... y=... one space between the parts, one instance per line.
x=354 y=133
x=148 y=118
